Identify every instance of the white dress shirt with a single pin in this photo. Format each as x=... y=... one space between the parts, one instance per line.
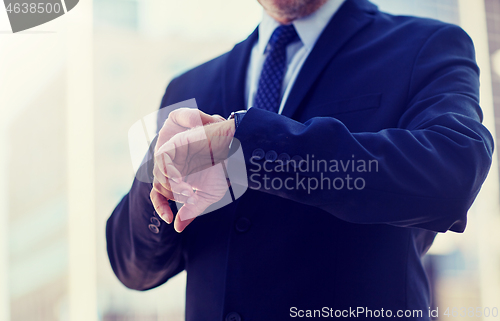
x=308 y=28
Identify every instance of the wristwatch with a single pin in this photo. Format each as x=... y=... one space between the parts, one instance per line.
x=237 y=116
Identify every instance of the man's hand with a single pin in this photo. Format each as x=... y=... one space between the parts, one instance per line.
x=178 y=121
x=183 y=119
x=191 y=166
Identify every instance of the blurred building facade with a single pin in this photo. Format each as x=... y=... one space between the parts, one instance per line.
x=493 y=21
x=139 y=45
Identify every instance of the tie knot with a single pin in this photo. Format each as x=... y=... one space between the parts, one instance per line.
x=282 y=36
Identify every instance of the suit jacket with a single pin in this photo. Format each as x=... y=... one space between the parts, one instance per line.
x=403 y=91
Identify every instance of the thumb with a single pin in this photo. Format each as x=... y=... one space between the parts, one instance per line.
x=217 y=118
x=190 y=117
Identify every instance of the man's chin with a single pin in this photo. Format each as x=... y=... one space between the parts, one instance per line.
x=289 y=10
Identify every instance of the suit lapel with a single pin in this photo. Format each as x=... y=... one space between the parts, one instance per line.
x=352 y=16
x=234 y=77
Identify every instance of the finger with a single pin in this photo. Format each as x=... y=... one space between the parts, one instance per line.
x=166 y=180
x=190 y=117
x=181 y=189
x=218 y=118
x=163 y=180
x=161 y=206
x=180 y=224
x=188 y=212
x=159 y=176
x=164 y=163
x=163 y=157
x=171 y=189
x=168 y=194
x=208 y=119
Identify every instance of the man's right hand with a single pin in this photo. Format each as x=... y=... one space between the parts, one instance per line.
x=193 y=162
x=178 y=121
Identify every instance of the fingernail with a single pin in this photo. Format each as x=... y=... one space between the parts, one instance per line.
x=190 y=200
x=166 y=218
x=186 y=193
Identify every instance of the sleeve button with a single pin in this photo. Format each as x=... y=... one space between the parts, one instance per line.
x=155 y=221
x=284 y=158
x=154 y=228
x=243 y=224
x=271 y=156
x=296 y=161
x=258 y=154
x=233 y=316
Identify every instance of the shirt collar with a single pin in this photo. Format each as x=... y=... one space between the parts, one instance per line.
x=308 y=28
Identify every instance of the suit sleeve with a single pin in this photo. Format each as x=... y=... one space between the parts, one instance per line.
x=424 y=173
x=141 y=256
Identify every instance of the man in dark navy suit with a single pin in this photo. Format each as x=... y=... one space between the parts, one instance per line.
x=381 y=112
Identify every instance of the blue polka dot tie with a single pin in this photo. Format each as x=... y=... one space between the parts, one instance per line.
x=271 y=78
